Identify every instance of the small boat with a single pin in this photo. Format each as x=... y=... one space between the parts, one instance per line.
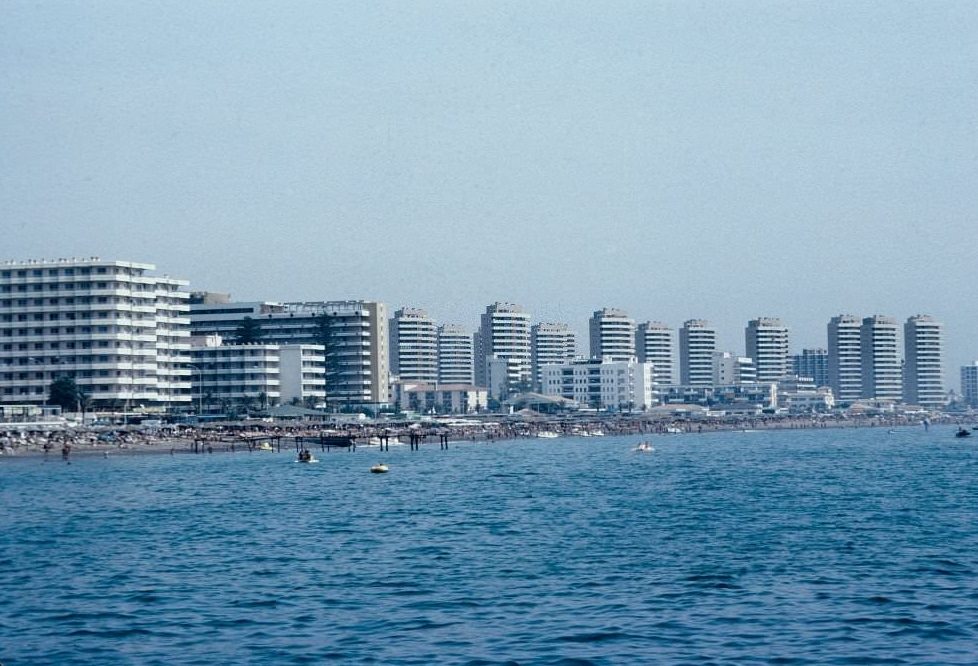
x=305 y=456
x=379 y=468
x=547 y=434
x=963 y=432
x=264 y=446
x=597 y=433
x=674 y=430
x=644 y=447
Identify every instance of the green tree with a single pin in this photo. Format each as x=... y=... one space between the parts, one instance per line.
x=65 y=393
x=248 y=332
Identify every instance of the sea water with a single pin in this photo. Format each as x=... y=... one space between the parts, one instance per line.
x=808 y=546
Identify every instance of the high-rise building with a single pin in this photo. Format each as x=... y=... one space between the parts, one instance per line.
x=845 y=358
x=730 y=369
x=354 y=334
x=120 y=332
x=697 y=342
x=923 y=379
x=503 y=335
x=767 y=343
x=656 y=344
x=413 y=346
x=454 y=355
x=881 y=367
x=812 y=363
x=612 y=335
x=969 y=384
x=550 y=343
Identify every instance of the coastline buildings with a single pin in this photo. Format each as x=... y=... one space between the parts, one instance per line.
x=502 y=349
x=923 y=382
x=612 y=335
x=656 y=344
x=454 y=355
x=120 y=332
x=353 y=333
x=697 y=342
x=845 y=358
x=601 y=383
x=550 y=343
x=730 y=369
x=969 y=384
x=881 y=367
x=812 y=363
x=440 y=399
x=767 y=344
x=413 y=346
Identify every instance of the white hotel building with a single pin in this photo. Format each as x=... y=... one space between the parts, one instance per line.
x=121 y=333
x=601 y=383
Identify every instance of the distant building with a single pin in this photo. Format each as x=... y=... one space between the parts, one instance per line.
x=697 y=342
x=612 y=335
x=119 y=331
x=601 y=383
x=812 y=363
x=767 y=343
x=881 y=366
x=729 y=369
x=969 y=384
x=454 y=355
x=656 y=344
x=441 y=398
x=413 y=346
x=504 y=333
x=759 y=395
x=845 y=358
x=923 y=379
x=550 y=343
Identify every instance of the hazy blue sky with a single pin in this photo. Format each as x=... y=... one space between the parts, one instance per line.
x=722 y=160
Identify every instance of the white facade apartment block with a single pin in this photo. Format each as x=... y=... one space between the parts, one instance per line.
x=730 y=369
x=550 y=343
x=845 y=358
x=302 y=373
x=656 y=344
x=235 y=374
x=504 y=333
x=612 y=335
x=923 y=380
x=121 y=333
x=767 y=344
x=602 y=384
x=454 y=355
x=413 y=346
x=969 y=384
x=441 y=398
x=881 y=367
x=697 y=342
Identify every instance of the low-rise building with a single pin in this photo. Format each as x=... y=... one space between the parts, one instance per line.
x=439 y=398
x=602 y=383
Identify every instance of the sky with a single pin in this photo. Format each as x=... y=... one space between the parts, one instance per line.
x=686 y=159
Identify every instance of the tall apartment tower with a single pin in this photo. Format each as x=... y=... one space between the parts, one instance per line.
x=812 y=363
x=656 y=344
x=454 y=355
x=881 y=368
x=503 y=349
x=923 y=379
x=612 y=335
x=767 y=343
x=550 y=343
x=845 y=358
x=697 y=342
x=969 y=384
x=414 y=346
x=121 y=333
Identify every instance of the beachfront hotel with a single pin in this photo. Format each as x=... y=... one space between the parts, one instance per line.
x=881 y=366
x=502 y=349
x=845 y=358
x=601 y=383
x=612 y=334
x=656 y=344
x=413 y=346
x=766 y=342
x=455 y=355
x=550 y=343
x=120 y=331
x=923 y=377
x=697 y=342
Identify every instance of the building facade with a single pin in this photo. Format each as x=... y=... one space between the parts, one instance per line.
x=767 y=343
x=730 y=369
x=413 y=346
x=697 y=342
x=120 y=332
x=504 y=334
x=550 y=343
x=881 y=367
x=813 y=363
x=440 y=399
x=656 y=344
x=969 y=384
x=455 y=355
x=923 y=378
x=602 y=383
x=612 y=335
x=845 y=358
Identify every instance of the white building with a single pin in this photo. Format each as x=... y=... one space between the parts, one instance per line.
x=601 y=384
x=504 y=333
x=440 y=398
x=729 y=369
x=612 y=335
x=550 y=343
x=767 y=343
x=120 y=332
x=455 y=355
x=969 y=384
x=923 y=379
x=235 y=376
x=413 y=346
x=881 y=366
x=845 y=358
x=656 y=344
x=697 y=342
x=302 y=374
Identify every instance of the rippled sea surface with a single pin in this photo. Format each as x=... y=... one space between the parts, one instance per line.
x=829 y=546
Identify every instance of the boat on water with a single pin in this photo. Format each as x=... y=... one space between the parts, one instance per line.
x=963 y=432
x=547 y=434
x=597 y=433
x=644 y=447
x=305 y=456
x=674 y=430
x=264 y=446
x=379 y=468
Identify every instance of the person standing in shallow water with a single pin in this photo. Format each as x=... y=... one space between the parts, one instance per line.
x=65 y=450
